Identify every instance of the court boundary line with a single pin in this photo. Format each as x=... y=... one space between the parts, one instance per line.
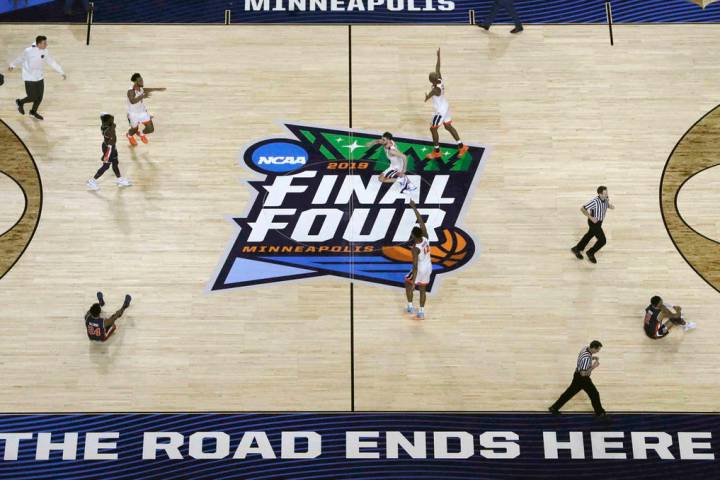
x=40 y=207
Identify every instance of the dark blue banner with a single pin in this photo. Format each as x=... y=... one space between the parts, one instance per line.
x=358 y=11
x=359 y=446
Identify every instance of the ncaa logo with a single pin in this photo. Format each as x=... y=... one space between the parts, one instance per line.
x=278 y=157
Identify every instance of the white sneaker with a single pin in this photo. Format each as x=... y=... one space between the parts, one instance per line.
x=123 y=182
x=689 y=326
x=408 y=186
x=92 y=184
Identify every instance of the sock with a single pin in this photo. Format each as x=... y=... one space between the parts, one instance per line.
x=421 y=309
x=436 y=148
x=459 y=142
x=410 y=305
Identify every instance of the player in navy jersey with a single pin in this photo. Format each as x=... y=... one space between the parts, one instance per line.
x=656 y=312
x=99 y=329
x=110 y=155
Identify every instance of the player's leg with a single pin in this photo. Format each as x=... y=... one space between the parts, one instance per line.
x=434 y=124
x=409 y=290
x=421 y=310
x=134 y=123
x=120 y=180
x=462 y=148
x=110 y=322
x=145 y=127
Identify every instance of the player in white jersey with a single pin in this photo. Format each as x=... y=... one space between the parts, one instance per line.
x=419 y=276
x=442 y=113
x=137 y=112
x=396 y=172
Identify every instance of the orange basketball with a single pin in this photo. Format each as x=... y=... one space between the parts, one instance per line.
x=452 y=248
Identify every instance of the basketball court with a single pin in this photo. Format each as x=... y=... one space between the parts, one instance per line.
x=558 y=112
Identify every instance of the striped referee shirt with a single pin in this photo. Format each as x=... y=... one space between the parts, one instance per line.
x=597 y=207
x=584 y=360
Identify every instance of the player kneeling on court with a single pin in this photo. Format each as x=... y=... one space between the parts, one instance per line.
x=422 y=265
x=656 y=312
x=98 y=328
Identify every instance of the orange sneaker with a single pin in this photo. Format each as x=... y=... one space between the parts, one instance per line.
x=132 y=140
x=463 y=150
x=144 y=139
x=434 y=154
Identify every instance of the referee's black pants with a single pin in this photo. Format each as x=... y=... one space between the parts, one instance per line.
x=509 y=7
x=34 y=92
x=580 y=383
x=594 y=230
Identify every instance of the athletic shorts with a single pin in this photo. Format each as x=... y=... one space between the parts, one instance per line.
x=135 y=119
x=423 y=276
x=438 y=118
x=392 y=172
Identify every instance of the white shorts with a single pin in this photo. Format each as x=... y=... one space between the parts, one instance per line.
x=136 y=119
x=438 y=118
x=422 y=277
x=392 y=172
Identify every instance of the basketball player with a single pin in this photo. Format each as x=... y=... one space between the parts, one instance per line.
x=110 y=155
x=139 y=118
x=442 y=114
x=656 y=312
x=100 y=329
x=398 y=163
x=422 y=265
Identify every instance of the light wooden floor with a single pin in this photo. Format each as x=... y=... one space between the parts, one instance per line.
x=564 y=113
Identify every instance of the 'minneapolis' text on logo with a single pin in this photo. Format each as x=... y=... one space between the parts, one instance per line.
x=349 y=5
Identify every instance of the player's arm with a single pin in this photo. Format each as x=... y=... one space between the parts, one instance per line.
x=437 y=65
x=434 y=92
x=133 y=99
x=372 y=143
x=419 y=219
x=156 y=89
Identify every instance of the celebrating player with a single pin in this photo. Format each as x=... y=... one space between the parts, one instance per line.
x=398 y=163
x=100 y=329
x=442 y=113
x=110 y=155
x=139 y=118
x=422 y=265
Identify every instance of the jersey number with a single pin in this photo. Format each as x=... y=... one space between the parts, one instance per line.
x=426 y=249
x=94 y=331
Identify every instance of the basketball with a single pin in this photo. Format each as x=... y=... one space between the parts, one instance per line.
x=452 y=249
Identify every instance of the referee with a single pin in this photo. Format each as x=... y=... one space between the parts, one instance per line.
x=31 y=60
x=586 y=363
x=595 y=211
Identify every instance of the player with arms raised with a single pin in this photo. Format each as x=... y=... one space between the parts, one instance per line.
x=422 y=265
x=138 y=115
x=442 y=113
x=396 y=172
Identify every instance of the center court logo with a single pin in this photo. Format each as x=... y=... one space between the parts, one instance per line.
x=321 y=210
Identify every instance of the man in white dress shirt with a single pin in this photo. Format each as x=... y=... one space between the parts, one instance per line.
x=31 y=60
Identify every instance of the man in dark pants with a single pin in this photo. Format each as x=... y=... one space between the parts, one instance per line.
x=509 y=7
x=32 y=60
x=587 y=362
x=595 y=211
